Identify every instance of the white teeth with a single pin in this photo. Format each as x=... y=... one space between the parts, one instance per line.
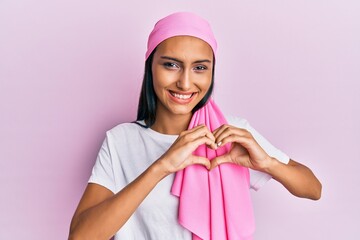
x=181 y=96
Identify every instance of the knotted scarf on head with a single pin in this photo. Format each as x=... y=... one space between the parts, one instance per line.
x=180 y=24
x=213 y=205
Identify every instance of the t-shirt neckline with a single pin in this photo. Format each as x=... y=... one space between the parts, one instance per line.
x=158 y=135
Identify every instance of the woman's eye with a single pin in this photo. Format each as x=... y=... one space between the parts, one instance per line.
x=170 y=65
x=200 y=68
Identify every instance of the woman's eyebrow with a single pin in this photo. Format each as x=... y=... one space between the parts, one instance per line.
x=172 y=59
x=202 y=61
x=179 y=61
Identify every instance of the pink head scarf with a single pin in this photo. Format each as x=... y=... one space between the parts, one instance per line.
x=213 y=205
x=180 y=24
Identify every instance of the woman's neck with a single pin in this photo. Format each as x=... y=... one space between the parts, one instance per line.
x=171 y=124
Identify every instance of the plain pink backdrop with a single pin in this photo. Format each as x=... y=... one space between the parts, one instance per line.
x=70 y=70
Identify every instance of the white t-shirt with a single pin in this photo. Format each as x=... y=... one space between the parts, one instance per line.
x=130 y=149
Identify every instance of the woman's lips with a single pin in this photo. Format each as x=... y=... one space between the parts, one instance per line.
x=182 y=98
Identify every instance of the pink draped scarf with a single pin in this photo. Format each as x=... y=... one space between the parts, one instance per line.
x=216 y=204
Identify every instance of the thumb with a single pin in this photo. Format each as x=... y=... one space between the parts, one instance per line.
x=219 y=160
x=202 y=161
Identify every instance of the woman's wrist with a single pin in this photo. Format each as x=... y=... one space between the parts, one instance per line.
x=271 y=165
x=158 y=169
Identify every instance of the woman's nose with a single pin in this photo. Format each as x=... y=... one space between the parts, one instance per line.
x=184 y=82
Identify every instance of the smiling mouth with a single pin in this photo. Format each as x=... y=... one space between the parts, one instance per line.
x=181 y=96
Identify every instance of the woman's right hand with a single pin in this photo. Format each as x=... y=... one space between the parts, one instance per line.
x=180 y=154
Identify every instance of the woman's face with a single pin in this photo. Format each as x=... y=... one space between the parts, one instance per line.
x=182 y=74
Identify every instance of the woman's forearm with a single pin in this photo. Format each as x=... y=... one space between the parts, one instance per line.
x=103 y=220
x=297 y=178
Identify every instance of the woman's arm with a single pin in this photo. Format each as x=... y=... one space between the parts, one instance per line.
x=100 y=213
x=296 y=178
x=245 y=151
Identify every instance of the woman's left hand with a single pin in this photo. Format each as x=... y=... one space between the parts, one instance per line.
x=245 y=151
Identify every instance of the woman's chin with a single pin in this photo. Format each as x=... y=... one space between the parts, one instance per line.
x=181 y=110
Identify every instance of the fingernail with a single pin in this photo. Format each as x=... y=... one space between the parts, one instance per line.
x=219 y=143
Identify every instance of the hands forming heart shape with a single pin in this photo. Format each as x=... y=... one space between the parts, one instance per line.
x=245 y=151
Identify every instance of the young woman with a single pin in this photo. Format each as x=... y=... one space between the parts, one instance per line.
x=182 y=171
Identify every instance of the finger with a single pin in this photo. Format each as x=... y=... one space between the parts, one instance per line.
x=195 y=128
x=222 y=132
x=201 y=160
x=195 y=132
x=203 y=140
x=205 y=130
x=219 y=130
x=210 y=135
x=219 y=160
x=219 y=134
x=188 y=131
x=230 y=131
x=242 y=140
x=213 y=146
x=201 y=132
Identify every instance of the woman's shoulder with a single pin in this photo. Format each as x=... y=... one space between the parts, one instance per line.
x=125 y=128
x=237 y=121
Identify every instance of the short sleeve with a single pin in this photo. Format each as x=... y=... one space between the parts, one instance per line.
x=257 y=178
x=102 y=172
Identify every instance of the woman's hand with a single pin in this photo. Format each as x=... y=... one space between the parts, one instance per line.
x=245 y=151
x=180 y=154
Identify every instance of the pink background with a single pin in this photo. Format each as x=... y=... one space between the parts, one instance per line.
x=70 y=70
